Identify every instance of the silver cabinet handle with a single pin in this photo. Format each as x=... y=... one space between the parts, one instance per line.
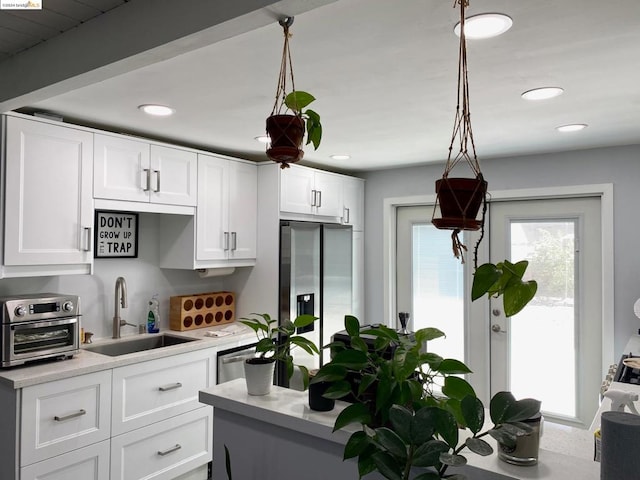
x=70 y=416
x=87 y=238
x=497 y=328
x=237 y=358
x=234 y=240
x=148 y=172
x=319 y=198
x=347 y=217
x=170 y=387
x=313 y=197
x=226 y=240
x=157 y=172
x=169 y=450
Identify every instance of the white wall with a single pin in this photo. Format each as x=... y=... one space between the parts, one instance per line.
x=619 y=166
x=143 y=279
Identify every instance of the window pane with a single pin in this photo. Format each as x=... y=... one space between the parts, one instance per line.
x=543 y=334
x=438 y=289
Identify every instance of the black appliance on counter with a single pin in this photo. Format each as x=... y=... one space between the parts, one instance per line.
x=627 y=373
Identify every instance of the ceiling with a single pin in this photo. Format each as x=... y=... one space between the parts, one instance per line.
x=383 y=72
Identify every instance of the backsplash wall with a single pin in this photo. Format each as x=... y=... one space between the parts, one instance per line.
x=144 y=279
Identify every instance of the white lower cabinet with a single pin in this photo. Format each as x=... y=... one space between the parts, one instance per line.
x=87 y=463
x=164 y=450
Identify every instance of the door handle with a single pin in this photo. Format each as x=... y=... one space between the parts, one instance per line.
x=169 y=450
x=347 y=217
x=157 y=172
x=313 y=198
x=170 y=387
x=87 y=239
x=148 y=187
x=226 y=241
x=497 y=328
x=70 y=416
x=319 y=198
x=234 y=238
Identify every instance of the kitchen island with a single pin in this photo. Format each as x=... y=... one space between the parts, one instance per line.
x=277 y=436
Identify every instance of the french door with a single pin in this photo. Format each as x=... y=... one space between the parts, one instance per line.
x=552 y=349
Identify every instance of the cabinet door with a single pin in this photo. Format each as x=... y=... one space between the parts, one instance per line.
x=164 y=450
x=212 y=215
x=173 y=176
x=296 y=190
x=49 y=206
x=148 y=392
x=88 y=463
x=63 y=415
x=121 y=169
x=353 y=196
x=243 y=210
x=328 y=199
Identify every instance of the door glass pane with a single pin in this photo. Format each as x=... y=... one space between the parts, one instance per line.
x=542 y=336
x=438 y=289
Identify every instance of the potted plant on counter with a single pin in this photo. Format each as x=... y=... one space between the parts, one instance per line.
x=275 y=343
x=408 y=430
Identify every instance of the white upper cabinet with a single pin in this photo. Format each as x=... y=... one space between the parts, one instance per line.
x=306 y=191
x=136 y=171
x=48 y=198
x=353 y=197
x=226 y=217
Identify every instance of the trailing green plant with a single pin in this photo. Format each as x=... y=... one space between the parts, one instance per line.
x=409 y=429
x=296 y=101
x=504 y=278
x=277 y=340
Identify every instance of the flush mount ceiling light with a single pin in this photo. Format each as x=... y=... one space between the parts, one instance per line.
x=340 y=156
x=262 y=138
x=157 y=110
x=542 y=93
x=485 y=25
x=573 y=127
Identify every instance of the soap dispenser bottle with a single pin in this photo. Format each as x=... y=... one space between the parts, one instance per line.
x=153 y=315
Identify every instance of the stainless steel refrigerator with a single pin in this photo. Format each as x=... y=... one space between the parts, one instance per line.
x=315 y=278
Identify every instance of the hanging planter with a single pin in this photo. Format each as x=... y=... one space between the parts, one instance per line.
x=287 y=123
x=459 y=200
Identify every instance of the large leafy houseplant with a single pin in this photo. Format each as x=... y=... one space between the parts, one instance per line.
x=276 y=341
x=409 y=430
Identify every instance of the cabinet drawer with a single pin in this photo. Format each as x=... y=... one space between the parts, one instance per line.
x=87 y=463
x=64 y=415
x=165 y=449
x=152 y=391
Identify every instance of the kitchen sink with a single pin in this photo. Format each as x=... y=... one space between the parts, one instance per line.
x=123 y=347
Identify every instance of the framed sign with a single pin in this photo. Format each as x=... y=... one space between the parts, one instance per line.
x=116 y=234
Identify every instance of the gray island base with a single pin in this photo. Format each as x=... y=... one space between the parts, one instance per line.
x=277 y=437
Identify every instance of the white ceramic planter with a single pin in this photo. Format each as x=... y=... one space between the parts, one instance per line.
x=259 y=377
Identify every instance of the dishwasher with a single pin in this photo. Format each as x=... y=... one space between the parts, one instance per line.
x=231 y=362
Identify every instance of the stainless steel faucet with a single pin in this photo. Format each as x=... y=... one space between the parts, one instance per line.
x=120 y=301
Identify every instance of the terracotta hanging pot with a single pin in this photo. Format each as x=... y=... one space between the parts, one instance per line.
x=286 y=133
x=460 y=200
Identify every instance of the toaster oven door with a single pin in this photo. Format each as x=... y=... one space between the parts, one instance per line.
x=39 y=339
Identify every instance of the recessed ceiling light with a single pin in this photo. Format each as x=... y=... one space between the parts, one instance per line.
x=340 y=156
x=485 y=25
x=157 y=110
x=542 y=93
x=574 y=127
x=262 y=138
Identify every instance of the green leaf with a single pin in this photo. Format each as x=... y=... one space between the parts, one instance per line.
x=357 y=442
x=405 y=364
x=484 y=278
x=504 y=437
x=314 y=128
x=423 y=425
x=391 y=442
x=387 y=466
x=354 y=413
x=446 y=427
x=517 y=295
x=451 y=366
x=352 y=359
x=458 y=388
x=427 y=334
x=479 y=446
x=365 y=382
x=352 y=325
x=452 y=459
x=304 y=343
x=401 y=418
x=365 y=462
x=338 y=390
x=522 y=410
x=473 y=413
x=304 y=320
x=434 y=360
x=428 y=453
x=330 y=373
x=499 y=405
x=297 y=100
x=382 y=331
x=265 y=345
x=358 y=343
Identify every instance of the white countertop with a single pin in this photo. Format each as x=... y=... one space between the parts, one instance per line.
x=88 y=362
x=565 y=452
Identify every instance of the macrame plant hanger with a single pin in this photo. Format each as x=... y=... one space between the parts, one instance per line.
x=459 y=199
x=286 y=131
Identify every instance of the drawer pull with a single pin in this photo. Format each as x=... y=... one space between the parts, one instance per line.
x=169 y=450
x=70 y=416
x=170 y=387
